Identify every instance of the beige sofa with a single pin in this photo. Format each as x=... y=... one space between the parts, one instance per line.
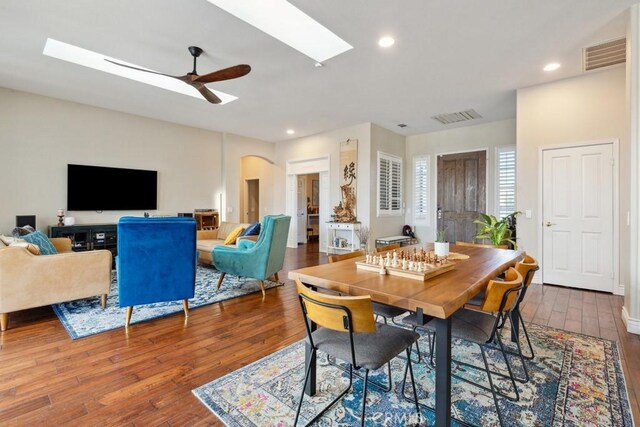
x=207 y=239
x=28 y=280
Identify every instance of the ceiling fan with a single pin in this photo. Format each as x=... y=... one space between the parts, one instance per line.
x=199 y=81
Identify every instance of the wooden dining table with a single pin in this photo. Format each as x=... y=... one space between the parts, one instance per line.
x=438 y=297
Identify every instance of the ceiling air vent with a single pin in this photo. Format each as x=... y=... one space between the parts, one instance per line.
x=605 y=54
x=460 y=116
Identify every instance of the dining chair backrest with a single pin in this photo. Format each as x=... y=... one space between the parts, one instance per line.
x=340 y=257
x=527 y=268
x=494 y=298
x=388 y=247
x=481 y=245
x=339 y=313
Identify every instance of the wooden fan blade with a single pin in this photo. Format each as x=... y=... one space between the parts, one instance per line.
x=224 y=74
x=141 y=69
x=206 y=93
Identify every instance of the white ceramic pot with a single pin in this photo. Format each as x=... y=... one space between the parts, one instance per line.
x=441 y=248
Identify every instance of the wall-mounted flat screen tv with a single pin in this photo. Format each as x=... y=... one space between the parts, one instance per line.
x=99 y=188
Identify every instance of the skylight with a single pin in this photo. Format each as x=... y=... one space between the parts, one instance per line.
x=87 y=58
x=285 y=22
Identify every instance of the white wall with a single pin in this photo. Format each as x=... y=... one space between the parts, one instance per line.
x=487 y=136
x=39 y=136
x=391 y=143
x=322 y=145
x=253 y=167
x=234 y=148
x=590 y=107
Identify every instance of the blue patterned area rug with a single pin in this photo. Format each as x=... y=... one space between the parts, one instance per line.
x=575 y=380
x=86 y=317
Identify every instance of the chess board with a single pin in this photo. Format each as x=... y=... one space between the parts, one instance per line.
x=431 y=270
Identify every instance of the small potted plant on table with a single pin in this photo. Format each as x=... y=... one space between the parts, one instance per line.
x=441 y=246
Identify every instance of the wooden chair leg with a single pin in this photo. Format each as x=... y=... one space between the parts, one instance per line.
x=262 y=288
x=4 y=321
x=275 y=276
x=127 y=318
x=220 y=279
x=185 y=307
x=103 y=301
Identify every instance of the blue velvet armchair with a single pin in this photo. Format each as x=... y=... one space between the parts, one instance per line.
x=260 y=259
x=156 y=261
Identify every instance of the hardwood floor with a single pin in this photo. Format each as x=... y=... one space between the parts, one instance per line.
x=145 y=376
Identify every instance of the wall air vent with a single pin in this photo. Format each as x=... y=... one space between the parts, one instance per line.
x=605 y=54
x=460 y=116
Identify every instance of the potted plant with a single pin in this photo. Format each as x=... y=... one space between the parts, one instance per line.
x=497 y=231
x=441 y=246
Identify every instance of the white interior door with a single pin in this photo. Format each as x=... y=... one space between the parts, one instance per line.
x=577 y=192
x=301 y=210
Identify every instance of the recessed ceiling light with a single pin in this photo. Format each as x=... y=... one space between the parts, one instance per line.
x=290 y=131
x=285 y=22
x=88 y=58
x=386 y=41
x=552 y=66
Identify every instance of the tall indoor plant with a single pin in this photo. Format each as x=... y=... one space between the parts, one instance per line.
x=497 y=231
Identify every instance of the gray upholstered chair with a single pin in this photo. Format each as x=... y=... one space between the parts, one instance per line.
x=348 y=331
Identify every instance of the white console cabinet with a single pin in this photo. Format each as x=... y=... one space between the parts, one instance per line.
x=342 y=237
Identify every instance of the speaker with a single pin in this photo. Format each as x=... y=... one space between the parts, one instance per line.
x=189 y=214
x=22 y=220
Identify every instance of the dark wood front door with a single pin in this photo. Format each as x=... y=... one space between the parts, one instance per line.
x=461 y=193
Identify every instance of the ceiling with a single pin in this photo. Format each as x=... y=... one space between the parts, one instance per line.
x=449 y=56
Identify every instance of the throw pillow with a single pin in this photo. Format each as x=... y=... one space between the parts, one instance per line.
x=22 y=231
x=41 y=240
x=231 y=237
x=34 y=249
x=252 y=230
x=7 y=240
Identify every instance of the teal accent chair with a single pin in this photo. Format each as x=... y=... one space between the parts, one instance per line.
x=156 y=261
x=260 y=259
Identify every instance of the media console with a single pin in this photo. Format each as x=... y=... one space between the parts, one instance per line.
x=89 y=237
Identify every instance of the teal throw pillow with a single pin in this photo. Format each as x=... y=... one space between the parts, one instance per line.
x=41 y=240
x=252 y=230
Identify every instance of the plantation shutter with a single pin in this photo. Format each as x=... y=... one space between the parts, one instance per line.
x=420 y=189
x=389 y=184
x=506 y=173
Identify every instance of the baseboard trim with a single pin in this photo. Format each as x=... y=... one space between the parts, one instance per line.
x=633 y=325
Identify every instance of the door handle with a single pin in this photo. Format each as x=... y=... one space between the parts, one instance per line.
x=549 y=224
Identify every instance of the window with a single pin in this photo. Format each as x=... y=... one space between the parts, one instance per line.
x=389 y=184
x=421 y=189
x=506 y=180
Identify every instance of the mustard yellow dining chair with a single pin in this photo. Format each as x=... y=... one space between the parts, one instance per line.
x=387 y=247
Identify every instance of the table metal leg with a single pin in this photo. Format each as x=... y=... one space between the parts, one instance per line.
x=443 y=372
x=515 y=324
x=310 y=390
